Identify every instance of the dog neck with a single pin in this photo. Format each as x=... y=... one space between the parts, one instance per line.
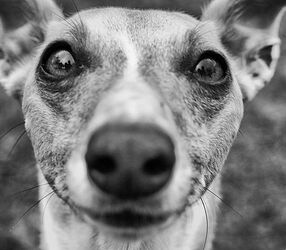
x=62 y=229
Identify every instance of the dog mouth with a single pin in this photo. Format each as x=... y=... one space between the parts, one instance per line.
x=129 y=219
x=129 y=224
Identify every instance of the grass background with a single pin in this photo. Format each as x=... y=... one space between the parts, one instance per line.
x=254 y=177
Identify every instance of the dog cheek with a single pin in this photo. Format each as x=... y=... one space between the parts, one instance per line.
x=50 y=150
x=77 y=179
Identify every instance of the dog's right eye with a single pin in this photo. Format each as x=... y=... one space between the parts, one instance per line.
x=60 y=64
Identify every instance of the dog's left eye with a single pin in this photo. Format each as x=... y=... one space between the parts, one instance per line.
x=210 y=69
x=60 y=63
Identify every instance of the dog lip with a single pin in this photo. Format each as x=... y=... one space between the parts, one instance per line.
x=129 y=219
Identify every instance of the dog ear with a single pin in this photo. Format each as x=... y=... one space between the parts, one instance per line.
x=249 y=29
x=18 y=45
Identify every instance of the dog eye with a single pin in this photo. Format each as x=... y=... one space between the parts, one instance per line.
x=60 y=63
x=211 y=69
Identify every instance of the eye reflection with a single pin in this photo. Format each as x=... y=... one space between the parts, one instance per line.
x=60 y=63
x=209 y=70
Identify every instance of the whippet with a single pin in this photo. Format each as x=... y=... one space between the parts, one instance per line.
x=132 y=114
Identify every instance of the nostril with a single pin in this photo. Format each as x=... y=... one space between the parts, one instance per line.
x=157 y=165
x=103 y=164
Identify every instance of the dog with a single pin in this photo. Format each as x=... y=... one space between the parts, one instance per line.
x=132 y=113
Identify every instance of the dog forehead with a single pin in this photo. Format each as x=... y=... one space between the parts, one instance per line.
x=136 y=21
x=138 y=25
x=140 y=28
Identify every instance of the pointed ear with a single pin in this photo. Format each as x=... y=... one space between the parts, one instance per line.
x=19 y=45
x=249 y=29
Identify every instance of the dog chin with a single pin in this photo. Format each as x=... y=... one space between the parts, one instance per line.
x=128 y=225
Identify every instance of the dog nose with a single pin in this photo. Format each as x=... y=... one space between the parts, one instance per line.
x=130 y=161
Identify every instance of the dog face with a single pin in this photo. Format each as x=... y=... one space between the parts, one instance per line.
x=131 y=114
x=168 y=108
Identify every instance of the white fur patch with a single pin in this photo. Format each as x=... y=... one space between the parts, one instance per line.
x=131 y=71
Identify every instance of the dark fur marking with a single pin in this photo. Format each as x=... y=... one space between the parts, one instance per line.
x=90 y=59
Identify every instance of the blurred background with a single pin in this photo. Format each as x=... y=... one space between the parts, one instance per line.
x=254 y=177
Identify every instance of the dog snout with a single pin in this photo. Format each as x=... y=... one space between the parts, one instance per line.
x=130 y=161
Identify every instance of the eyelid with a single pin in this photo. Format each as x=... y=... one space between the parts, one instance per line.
x=213 y=54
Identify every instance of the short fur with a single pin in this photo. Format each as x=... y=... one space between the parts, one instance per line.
x=135 y=67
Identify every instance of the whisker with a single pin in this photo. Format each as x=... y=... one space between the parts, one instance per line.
x=28 y=210
x=75 y=6
x=77 y=11
x=11 y=129
x=225 y=203
x=27 y=190
x=207 y=222
x=240 y=132
x=70 y=24
x=46 y=206
x=15 y=144
x=221 y=199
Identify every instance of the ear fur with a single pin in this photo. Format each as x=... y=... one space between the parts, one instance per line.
x=249 y=29
x=19 y=44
